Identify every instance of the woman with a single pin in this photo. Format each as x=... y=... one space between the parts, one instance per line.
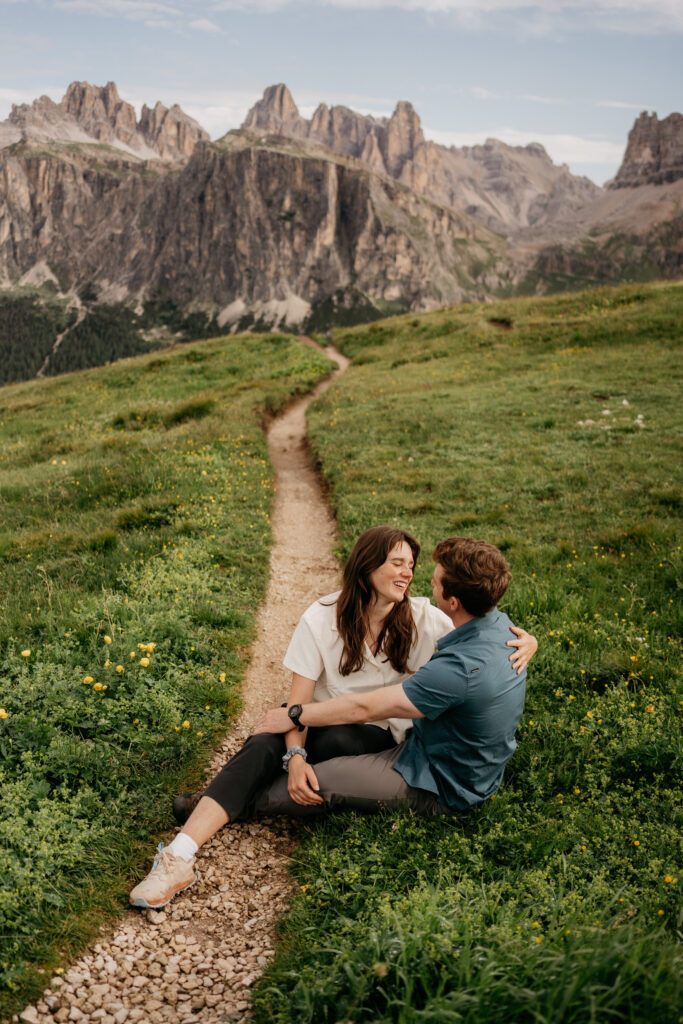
x=369 y=634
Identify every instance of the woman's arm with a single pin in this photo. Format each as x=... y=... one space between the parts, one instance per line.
x=302 y=782
x=526 y=645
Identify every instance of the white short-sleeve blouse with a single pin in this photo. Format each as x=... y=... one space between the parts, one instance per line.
x=316 y=647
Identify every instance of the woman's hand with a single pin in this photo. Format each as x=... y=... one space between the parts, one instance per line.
x=302 y=782
x=526 y=645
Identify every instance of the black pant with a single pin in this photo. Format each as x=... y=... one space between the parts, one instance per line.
x=259 y=762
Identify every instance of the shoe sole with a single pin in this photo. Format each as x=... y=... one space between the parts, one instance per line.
x=142 y=903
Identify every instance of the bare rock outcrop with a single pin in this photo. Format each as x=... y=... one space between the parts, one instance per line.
x=241 y=226
x=654 y=153
x=276 y=113
x=504 y=187
x=97 y=114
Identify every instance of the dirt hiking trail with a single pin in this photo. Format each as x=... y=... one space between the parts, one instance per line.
x=196 y=959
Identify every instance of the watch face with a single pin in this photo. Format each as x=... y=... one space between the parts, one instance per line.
x=294 y=713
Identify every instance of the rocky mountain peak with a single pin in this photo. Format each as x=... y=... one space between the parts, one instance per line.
x=404 y=137
x=275 y=113
x=170 y=131
x=504 y=187
x=654 y=152
x=101 y=112
x=90 y=113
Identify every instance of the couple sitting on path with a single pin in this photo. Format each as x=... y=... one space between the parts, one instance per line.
x=393 y=702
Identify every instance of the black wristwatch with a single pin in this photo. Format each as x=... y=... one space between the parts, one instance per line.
x=294 y=713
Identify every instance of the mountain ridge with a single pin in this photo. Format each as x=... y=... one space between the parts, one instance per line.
x=299 y=224
x=504 y=187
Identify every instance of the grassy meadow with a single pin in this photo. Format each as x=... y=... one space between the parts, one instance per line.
x=550 y=427
x=134 y=542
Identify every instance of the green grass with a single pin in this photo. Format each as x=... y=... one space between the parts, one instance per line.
x=134 y=542
x=550 y=427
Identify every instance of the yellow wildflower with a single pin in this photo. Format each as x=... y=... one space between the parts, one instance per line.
x=107 y=639
x=26 y=653
x=3 y=713
x=222 y=677
x=144 y=662
x=186 y=724
x=97 y=686
x=88 y=680
x=119 y=668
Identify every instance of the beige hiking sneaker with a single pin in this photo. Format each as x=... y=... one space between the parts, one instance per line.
x=169 y=875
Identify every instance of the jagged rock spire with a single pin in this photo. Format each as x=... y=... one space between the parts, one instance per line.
x=276 y=112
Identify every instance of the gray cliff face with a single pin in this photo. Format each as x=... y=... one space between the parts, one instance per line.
x=654 y=153
x=503 y=187
x=93 y=114
x=287 y=217
x=239 y=224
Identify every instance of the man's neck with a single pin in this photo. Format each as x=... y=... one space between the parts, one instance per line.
x=460 y=617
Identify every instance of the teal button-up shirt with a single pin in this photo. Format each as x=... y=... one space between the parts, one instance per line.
x=472 y=700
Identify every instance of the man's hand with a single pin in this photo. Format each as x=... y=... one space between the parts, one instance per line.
x=276 y=720
x=302 y=782
x=526 y=645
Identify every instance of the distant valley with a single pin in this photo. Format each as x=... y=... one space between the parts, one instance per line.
x=118 y=235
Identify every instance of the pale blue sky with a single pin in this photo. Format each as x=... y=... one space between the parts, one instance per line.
x=571 y=75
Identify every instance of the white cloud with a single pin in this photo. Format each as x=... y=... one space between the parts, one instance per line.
x=484 y=94
x=204 y=25
x=133 y=10
x=618 y=105
x=531 y=98
x=645 y=16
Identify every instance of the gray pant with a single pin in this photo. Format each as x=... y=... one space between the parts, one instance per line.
x=366 y=782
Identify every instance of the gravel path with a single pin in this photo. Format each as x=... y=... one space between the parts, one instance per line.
x=196 y=959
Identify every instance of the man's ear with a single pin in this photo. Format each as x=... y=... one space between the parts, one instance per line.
x=454 y=605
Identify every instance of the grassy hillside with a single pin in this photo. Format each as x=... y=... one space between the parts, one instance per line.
x=550 y=427
x=134 y=540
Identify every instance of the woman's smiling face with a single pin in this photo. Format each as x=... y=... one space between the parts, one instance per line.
x=391 y=580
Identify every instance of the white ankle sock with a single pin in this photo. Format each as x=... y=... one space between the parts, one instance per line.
x=183 y=846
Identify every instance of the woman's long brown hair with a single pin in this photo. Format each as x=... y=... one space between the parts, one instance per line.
x=398 y=632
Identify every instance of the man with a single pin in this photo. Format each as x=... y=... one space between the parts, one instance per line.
x=465 y=703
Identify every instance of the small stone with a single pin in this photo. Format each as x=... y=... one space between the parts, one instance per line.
x=121 y=1015
x=156 y=916
x=30 y=1015
x=62 y=1014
